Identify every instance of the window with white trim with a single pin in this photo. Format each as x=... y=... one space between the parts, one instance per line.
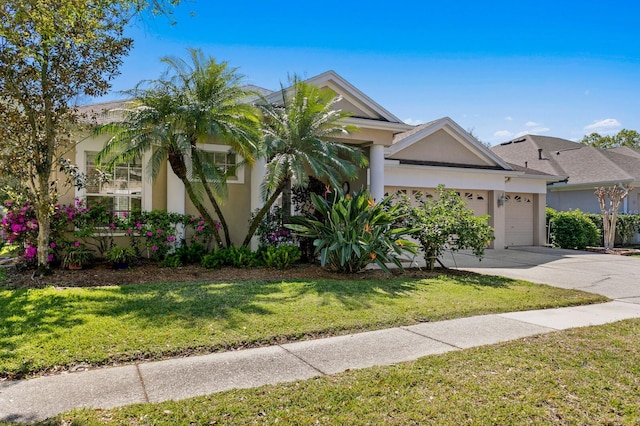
x=122 y=193
x=224 y=159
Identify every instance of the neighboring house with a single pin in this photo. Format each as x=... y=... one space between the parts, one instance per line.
x=401 y=158
x=584 y=169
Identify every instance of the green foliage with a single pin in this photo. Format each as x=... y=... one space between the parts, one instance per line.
x=121 y=255
x=193 y=103
x=77 y=254
x=354 y=231
x=444 y=221
x=191 y=254
x=281 y=257
x=624 y=137
x=627 y=226
x=299 y=139
x=54 y=51
x=238 y=257
x=573 y=230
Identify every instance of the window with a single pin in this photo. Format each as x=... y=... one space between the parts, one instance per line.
x=122 y=193
x=224 y=161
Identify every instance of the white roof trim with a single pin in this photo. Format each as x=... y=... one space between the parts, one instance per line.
x=351 y=94
x=377 y=124
x=455 y=131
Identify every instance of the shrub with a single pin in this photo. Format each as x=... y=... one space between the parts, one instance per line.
x=281 y=257
x=573 y=230
x=272 y=231
x=443 y=222
x=185 y=254
x=354 y=231
x=239 y=257
x=122 y=256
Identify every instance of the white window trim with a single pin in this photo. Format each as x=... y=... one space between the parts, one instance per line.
x=96 y=145
x=223 y=148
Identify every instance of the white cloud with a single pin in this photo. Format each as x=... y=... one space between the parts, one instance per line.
x=606 y=124
x=508 y=118
x=503 y=134
x=531 y=124
x=412 y=122
x=533 y=131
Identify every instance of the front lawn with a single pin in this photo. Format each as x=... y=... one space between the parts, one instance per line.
x=58 y=328
x=584 y=376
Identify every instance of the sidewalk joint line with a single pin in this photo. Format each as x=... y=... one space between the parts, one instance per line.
x=431 y=338
x=144 y=387
x=303 y=360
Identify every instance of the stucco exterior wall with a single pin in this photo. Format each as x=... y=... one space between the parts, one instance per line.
x=440 y=147
x=584 y=200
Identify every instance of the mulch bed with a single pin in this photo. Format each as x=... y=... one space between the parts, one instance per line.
x=102 y=274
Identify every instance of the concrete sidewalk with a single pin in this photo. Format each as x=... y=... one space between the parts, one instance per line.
x=616 y=277
x=36 y=399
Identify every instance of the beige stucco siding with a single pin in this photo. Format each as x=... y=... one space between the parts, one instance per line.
x=440 y=147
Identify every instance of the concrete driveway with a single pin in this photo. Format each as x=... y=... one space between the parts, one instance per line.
x=617 y=277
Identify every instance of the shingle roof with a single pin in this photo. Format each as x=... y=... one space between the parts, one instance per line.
x=582 y=164
x=98 y=113
x=401 y=136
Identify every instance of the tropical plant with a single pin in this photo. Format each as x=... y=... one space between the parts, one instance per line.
x=173 y=116
x=76 y=256
x=354 y=231
x=53 y=52
x=121 y=256
x=280 y=257
x=298 y=140
x=238 y=257
x=444 y=221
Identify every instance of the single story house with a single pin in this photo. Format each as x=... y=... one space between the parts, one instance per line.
x=583 y=167
x=401 y=157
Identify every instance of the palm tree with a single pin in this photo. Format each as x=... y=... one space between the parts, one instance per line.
x=190 y=104
x=298 y=141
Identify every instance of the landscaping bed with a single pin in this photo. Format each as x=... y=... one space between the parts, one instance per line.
x=102 y=274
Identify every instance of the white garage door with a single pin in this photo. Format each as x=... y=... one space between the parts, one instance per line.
x=519 y=219
x=476 y=200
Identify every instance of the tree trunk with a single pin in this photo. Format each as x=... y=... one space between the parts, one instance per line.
x=216 y=206
x=179 y=168
x=263 y=211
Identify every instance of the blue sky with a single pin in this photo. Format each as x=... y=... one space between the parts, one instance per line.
x=555 y=68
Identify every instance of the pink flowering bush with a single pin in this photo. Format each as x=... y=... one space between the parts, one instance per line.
x=152 y=234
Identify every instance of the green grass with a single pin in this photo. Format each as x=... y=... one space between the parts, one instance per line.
x=585 y=376
x=44 y=329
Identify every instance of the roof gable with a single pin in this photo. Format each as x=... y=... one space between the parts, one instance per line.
x=443 y=141
x=353 y=100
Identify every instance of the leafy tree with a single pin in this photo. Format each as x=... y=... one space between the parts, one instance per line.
x=52 y=52
x=350 y=232
x=445 y=221
x=298 y=141
x=192 y=104
x=628 y=138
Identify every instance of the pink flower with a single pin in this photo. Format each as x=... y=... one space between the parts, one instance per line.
x=30 y=252
x=112 y=225
x=149 y=233
x=159 y=231
x=138 y=225
x=171 y=238
x=76 y=244
x=50 y=258
x=52 y=245
x=129 y=231
x=199 y=228
x=124 y=214
x=154 y=248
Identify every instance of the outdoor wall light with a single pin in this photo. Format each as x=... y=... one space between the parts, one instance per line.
x=501 y=200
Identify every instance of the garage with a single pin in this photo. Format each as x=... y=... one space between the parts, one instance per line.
x=477 y=200
x=519 y=219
